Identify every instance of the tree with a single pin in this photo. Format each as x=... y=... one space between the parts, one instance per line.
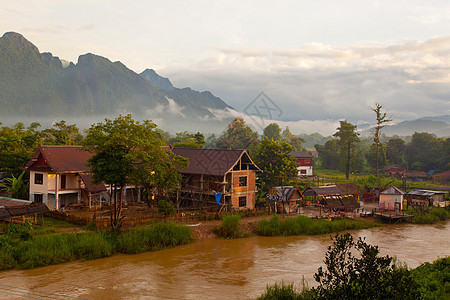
x=395 y=151
x=381 y=123
x=188 y=140
x=17 y=146
x=348 y=137
x=16 y=186
x=272 y=131
x=277 y=164
x=362 y=276
x=127 y=151
x=329 y=154
x=291 y=139
x=62 y=134
x=238 y=136
x=423 y=151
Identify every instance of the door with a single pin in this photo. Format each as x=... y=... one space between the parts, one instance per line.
x=397 y=206
x=63 y=181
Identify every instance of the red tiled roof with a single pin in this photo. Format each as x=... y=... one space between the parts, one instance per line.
x=90 y=186
x=215 y=162
x=60 y=158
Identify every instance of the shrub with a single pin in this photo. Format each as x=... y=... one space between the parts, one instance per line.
x=165 y=208
x=271 y=227
x=230 y=227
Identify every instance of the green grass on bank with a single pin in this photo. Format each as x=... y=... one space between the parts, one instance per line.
x=432 y=216
x=22 y=250
x=304 y=225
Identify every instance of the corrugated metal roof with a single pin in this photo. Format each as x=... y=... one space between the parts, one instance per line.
x=283 y=193
x=61 y=158
x=215 y=162
x=424 y=192
x=392 y=191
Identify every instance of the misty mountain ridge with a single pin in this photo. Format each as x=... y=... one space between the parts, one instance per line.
x=39 y=85
x=408 y=128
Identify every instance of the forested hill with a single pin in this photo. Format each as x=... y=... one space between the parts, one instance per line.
x=34 y=84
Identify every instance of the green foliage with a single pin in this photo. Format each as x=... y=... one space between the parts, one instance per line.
x=426 y=152
x=294 y=141
x=238 y=136
x=433 y=280
x=304 y=225
x=165 y=208
x=285 y=291
x=128 y=151
x=188 y=140
x=155 y=237
x=230 y=227
x=329 y=154
x=17 y=187
x=348 y=137
x=53 y=249
x=62 y=134
x=362 y=276
x=432 y=216
x=277 y=164
x=272 y=132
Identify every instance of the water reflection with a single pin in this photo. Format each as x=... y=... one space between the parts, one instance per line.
x=221 y=269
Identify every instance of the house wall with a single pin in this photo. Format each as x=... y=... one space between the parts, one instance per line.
x=72 y=181
x=387 y=201
x=245 y=191
x=305 y=170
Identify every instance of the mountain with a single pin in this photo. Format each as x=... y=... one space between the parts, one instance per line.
x=407 y=128
x=39 y=85
x=159 y=81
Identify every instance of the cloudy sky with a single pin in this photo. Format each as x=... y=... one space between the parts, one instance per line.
x=319 y=61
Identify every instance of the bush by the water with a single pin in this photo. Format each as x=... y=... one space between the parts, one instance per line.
x=54 y=249
x=434 y=215
x=304 y=225
x=230 y=227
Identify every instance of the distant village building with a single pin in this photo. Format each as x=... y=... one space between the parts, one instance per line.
x=391 y=199
x=427 y=198
x=214 y=173
x=287 y=198
x=304 y=161
x=342 y=196
x=393 y=170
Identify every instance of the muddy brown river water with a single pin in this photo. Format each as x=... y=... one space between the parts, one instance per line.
x=214 y=268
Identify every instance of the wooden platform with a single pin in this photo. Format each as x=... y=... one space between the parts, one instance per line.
x=393 y=216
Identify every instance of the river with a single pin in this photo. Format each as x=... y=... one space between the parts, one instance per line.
x=214 y=268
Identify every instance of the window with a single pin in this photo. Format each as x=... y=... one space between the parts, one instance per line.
x=243 y=201
x=243 y=181
x=302 y=171
x=38 y=198
x=38 y=178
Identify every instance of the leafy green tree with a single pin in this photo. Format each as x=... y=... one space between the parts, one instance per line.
x=291 y=139
x=329 y=154
x=277 y=164
x=16 y=186
x=188 y=140
x=211 y=141
x=128 y=151
x=17 y=145
x=238 y=136
x=395 y=151
x=362 y=276
x=272 y=131
x=422 y=152
x=348 y=137
x=382 y=119
x=62 y=134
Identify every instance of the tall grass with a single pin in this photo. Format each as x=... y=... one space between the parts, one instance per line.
x=230 y=227
x=435 y=215
x=54 y=249
x=304 y=225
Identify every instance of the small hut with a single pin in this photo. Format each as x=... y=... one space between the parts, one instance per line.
x=391 y=199
x=284 y=198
